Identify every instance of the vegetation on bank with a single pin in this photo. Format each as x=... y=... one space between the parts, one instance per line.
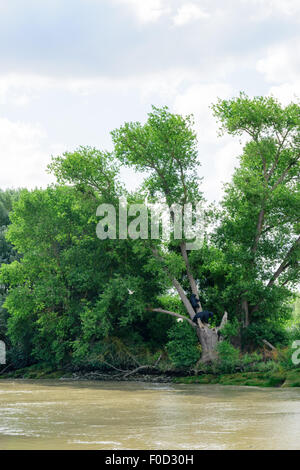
x=72 y=302
x=263 y=368
x=267 y=375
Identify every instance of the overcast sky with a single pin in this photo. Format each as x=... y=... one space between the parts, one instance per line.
x=73 y=70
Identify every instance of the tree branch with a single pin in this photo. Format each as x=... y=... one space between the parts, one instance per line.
x=284 y=264
x=280 y=180
x=143 y=367
x=259 y=227
x=277 y=154
x=168 y=312
x=189 y=272
x=177 y=286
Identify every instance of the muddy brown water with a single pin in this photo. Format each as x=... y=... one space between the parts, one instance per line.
x=50 y=414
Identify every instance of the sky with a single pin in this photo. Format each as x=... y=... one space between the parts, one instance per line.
x=71 y=71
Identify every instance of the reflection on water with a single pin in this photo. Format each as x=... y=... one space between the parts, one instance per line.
x=119 y=415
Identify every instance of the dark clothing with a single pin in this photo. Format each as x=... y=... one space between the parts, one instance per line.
x=204 y=316
x=195 y=302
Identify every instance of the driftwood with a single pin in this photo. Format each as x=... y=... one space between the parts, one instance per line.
x=138 y=369
x=269 y=344
x=5 y=368
x=122 y=373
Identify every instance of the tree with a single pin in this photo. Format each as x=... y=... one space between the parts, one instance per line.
x=165 y=147
x=259 y=232
x=7 y=251
x=70 y=291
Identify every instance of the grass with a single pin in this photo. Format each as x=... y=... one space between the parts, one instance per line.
x=257 y=379
x=268 y=378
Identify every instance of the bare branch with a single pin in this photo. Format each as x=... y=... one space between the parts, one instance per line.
x=277 y=154
x=189 y=272
x=168 y=312
x=177 y=285
x=223 y=321
x=143 y=367
x=285 y=263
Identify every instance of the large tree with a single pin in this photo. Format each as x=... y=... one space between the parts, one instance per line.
x=259 y=233
x=70 y=291
x=165 y=147
x=7 y=252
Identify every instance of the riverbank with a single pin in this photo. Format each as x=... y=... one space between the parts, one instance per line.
x=289 y=378
x=283 y=378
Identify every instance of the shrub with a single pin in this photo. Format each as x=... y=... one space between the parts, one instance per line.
x=269 y=366
x=228 y=357
x=272 y=332
x=183 y=348
x=230 y=329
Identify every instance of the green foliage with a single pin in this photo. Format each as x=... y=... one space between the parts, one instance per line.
x=7 y=252
x=271 y=331
x=258 y=232
x=65 y=295
x=90 y=168
x=228 y=357
x=230 y=329
x=182 y=347
x=166 y=148
x=70 y=289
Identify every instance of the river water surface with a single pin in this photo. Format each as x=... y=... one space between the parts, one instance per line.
x=132 y=415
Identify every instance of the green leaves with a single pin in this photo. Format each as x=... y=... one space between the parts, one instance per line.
x=166 y=148
x=74 y=286
x=258 y=117
x=88 y=169
x=262 y=204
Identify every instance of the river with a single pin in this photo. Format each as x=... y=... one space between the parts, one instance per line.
x=50 y=414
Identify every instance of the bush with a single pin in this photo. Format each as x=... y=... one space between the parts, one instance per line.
x=272 y=332
x=269 y=366
x=228 y=357
x=293 y=333
x=230 y=329
x=183 y=348
x=249 y=362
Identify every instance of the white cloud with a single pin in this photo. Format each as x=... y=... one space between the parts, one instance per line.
x=281 y=66
x=218 y=156
x=287 y=92
x=21 y=89
x=187 y=13
x=147 y=10
x=282 y=62
x=267 y=8
x=218 y=169
x=197 y=100
x=23 y=159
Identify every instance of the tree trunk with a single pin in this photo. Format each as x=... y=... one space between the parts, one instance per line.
x=245 y=309
x=209 y=339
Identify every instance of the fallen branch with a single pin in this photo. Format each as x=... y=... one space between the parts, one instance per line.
x=5 y=368
x=142 y=367
x=269 y=344
x=113 y=367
